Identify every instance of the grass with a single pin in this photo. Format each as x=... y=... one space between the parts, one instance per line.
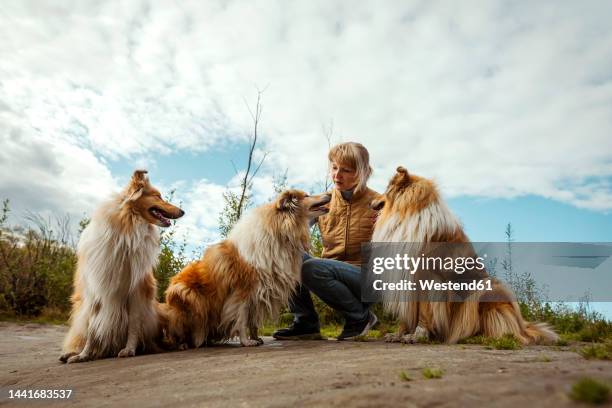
x=47 y=317
x=563 y=341
x=266 y=330
x=404 y=377
x=362 y=338
x=375 y=334
x=597 y=351
x=432 y=373
x=590 y=391
x=426 y=340
x=573 y=325
x=591 y=334
x=594 y=332
x=481 y=340
x=331 y=331
x=506 y=342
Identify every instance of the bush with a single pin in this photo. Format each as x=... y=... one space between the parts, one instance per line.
x=506 y=342
x=597 y=351
x=36 y=265
x=404 y=377
x=590 y=391
x=171 y=260
x=578 y=324
x=432 y=373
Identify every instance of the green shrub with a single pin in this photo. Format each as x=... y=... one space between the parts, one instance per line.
x=474 y=340
x=331 y=331
x=404 y=377
x=432 y=373
x=597 y=351
x=506 y=342
x=36 y=265
x=590 y=391
x=171 y=260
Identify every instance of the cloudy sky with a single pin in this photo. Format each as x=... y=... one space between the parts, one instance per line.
x=507 y=105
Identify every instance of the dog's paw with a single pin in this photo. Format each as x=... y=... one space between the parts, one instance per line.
x=419 y=336
x=409 y=339
x=64 y=357
x=127 y=352
x=183 y=346
x=79 y=358
x=393 y=338
x=251 y=343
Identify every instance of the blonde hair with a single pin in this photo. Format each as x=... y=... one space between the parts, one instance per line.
x=355 y=156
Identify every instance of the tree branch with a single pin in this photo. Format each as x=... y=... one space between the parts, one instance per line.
x=248 y=177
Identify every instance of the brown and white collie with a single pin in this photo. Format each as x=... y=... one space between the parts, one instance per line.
x=412 y=211
x=244 y=279
x=114 y=310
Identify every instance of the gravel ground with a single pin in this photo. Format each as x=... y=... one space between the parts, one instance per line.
x=291 y=373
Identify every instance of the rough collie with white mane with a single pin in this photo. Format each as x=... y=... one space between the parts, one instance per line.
x=114 y=307
x=412 y=211
x=245 y=278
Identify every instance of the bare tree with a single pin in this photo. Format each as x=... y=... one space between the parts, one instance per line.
x=247 y=181
x=235 y=204
x=328 y=132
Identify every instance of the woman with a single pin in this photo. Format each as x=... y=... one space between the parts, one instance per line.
x=335 y=277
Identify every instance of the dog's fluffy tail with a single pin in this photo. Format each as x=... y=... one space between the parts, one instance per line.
x=541 y=333
x=502 y=315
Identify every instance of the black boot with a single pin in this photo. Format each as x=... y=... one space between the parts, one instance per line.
x=298 y=332
x=357 y=329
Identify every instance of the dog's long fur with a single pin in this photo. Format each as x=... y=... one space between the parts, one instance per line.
x=412 y=211
x=243 y=279
x=114 y=307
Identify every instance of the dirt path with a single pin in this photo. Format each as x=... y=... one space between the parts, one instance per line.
x=312 y=373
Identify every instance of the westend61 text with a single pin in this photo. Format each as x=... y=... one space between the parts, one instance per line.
x=433 y=285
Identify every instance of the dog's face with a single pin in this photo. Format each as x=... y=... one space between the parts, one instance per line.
x=146 y=201
x=298 y=202
x=406 y=193
x=293 y=209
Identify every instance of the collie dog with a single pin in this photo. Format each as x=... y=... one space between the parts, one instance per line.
x=244 y=279
x=114 y=308
x=412 y=211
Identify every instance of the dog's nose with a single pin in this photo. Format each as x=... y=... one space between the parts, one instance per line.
x=182 y=213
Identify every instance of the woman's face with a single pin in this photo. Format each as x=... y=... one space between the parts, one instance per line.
x=344 y=177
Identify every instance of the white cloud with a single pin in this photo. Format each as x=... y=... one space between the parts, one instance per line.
x=202 y=202
x=490 y=98
x=49 y=176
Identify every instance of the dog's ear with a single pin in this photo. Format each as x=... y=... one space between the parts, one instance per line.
x=140 y=176
x=402 y=175
x=288 y=200
x=137 y=184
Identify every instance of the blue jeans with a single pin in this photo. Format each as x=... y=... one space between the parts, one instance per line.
x=336 y=283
